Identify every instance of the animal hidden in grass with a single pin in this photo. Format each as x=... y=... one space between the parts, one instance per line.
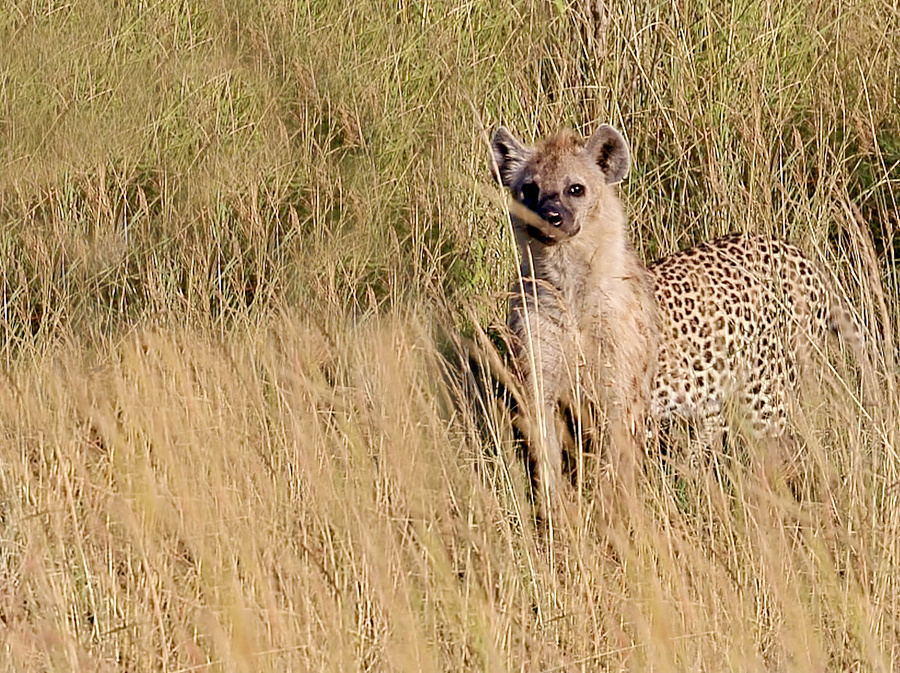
x=726 y=321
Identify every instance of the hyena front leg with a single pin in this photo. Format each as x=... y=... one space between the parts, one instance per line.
x=541 y=357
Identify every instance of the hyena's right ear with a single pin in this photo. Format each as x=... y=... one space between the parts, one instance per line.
x=608 y=148
x=509 y=154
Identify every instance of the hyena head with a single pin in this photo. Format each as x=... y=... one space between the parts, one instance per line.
x=563 y=180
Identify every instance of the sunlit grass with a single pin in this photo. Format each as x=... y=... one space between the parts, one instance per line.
x=240 y=246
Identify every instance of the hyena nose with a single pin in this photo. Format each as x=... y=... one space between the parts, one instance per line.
x=554 y=218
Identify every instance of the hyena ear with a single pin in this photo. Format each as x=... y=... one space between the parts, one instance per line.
x=509 y=155
x=608 y=148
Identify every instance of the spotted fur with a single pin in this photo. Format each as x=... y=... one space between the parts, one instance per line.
x=727 y=321
x=735 y=316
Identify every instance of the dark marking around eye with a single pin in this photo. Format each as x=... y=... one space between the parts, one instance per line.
x=530 y=193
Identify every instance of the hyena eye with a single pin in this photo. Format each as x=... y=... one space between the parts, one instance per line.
x=530 y=192
x=576 y=190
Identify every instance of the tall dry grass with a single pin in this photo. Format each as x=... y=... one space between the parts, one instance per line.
x=238 y=244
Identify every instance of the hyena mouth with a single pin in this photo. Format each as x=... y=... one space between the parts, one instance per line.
x=540 y=236
x=536 y=226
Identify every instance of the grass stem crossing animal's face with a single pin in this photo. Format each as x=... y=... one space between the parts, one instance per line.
x=562 y=181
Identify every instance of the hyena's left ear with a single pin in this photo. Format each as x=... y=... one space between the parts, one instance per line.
x=608 y=148
x=509 y=154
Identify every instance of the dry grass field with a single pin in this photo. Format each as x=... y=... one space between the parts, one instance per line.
x=241 y=244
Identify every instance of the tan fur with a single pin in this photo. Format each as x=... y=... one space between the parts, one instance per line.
x=727 y=321
x=583 y=310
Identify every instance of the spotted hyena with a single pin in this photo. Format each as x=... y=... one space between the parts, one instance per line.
x=724 y=321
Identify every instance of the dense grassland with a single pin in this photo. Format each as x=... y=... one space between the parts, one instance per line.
x=240 y=244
